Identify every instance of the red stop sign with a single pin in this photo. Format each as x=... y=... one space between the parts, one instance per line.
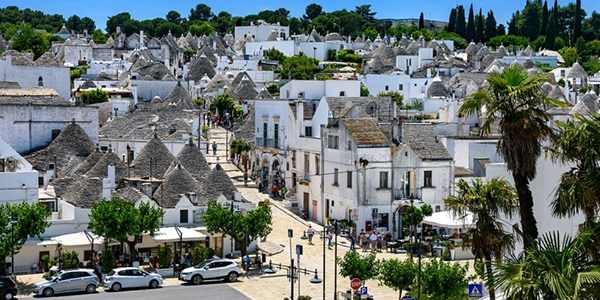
x=355 y=284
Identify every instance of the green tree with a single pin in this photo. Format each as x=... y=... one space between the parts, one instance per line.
x=419 y=214
x=70 y=260
x=398 y=97
x=577 y=20
x=73 y=23
x=452 y=21
x=99 y=37
x=224 y=103
x=274 y=54
x=577 y=143
x=201 y=253
x=461 y=26
x=490 y=26
x=552 y=268
x=122 y=221
x=488 y=202
x=443 y=281
x=514 y=100
x=545 y=16
x=202 y=12
x=30 y=40
x=108 y=261
x=551 y=31
x=470 y=33
x=364 y=91
x=164 y=254
x=365 y=12
x=397 y=274
x=203 y=28
x=312 y=11
x=421 y=21
x=299 y=67
x=479 y=34
x=255 y=224
x=116 y=20
x=31 y=221
x=529 y=24
x=173 y=17
x=570 y=55
x=94 y=96
x=512 y=24
x=348 y=55
x=353 y=265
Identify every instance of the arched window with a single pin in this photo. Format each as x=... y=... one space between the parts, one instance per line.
x=40 y=81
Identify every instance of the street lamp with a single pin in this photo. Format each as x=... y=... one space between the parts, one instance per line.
x=91 y=239
x=412 y=213
x=13 y=222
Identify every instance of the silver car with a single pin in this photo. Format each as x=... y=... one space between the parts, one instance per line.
x=213 y=269
x=121 y=278
x=69 y=281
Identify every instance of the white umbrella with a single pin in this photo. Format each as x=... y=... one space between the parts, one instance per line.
x=169 y=234
x=347 y=69
x=446 y=219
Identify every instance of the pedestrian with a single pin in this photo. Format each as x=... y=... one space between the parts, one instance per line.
x=246 y=178
x=214 y=146
x=329 y=238
x=364 y=239
x=373 y=239
x=311 y=233
x=246 y=263
x=352 y=242
x=258 y=261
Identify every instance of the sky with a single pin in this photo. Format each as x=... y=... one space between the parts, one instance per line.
x=101 y=10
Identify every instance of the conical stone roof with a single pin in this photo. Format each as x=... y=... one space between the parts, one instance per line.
x=217 y=183
x=153 y=161
x=177 y=182
x=100 y=169
x=192 y=159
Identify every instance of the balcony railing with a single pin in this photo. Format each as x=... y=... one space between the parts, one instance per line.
x=268 y=143
x=401 y=194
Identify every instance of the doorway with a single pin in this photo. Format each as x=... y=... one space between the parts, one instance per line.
x=305 y=204
x=218 y=245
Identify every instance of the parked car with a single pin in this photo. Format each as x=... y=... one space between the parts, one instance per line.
x=121 y=278
x=226 y=269
x=68 y=281
x=8 y=288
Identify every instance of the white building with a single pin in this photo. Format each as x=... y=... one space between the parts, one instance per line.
x=57 y=78
x=399 y=82
x=316 y=89
x=261 y=31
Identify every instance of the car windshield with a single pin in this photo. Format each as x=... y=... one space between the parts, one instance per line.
x=202 y=265
x=111 y=273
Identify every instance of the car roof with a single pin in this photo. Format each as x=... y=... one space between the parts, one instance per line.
x=126 y=268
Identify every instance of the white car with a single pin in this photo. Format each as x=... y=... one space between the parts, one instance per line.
x=121 y=278
x=69 y=281
x=226 y=269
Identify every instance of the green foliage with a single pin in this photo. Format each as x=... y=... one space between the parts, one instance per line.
x=273 y=88
x=591 y=65
x=256 y=223
x=201 y=12
x=353 y=265
x=119 y=219
x=331 y=54
x=225 y=103
x=239 y=146
x=31 y=222
x=398 y=97
x=570 y=55
x=347 y=55
x=364 y=91
x=201 y=253
x=419 y=214
x=274 y=54
x=509 y=40
x=443 y=281
x=397 y=274
x=301 y=67
x=107 y=260
x=30 y=40
x=94 y=96
x=188 y=54
x=164 y=254
x=417 y=105
x=199 y=102
x=203 y=28
x=324 y=77
x=99 y=37
x=205 y=128
x=70 y=260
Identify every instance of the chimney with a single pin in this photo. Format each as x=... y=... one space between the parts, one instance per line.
x=141 y=39
x=214 y=45
x=110 y=149
x=193 y=197
x=147 y=189
x=300 y=116
x=237 y=196
x=106 y=188
x=111 y=175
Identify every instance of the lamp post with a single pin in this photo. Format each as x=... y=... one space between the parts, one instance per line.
x=315 y=52
x=412 y=214
x=335 y=231
x=91 y=239
x=231 y=235
x=13 y=222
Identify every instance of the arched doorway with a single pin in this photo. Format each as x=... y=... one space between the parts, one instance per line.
x=400 y=229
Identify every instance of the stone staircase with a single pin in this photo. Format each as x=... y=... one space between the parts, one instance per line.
x=219 y=135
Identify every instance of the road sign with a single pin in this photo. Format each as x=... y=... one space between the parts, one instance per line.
x=408 y=298
x=475 y=290
x=299 y=249
x=355 y=284
x=363 y=290
x=290 y=233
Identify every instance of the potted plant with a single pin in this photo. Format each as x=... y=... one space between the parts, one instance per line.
x=205 y=130
x=164 y=253
x=452 y=250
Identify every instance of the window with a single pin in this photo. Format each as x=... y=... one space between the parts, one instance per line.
x=335 y=177
x=306 y=166
x=342 y=93
x=308 y=131
x=401 y=87
x=383 y=180
x=183 y=216
x=427 y=175
x=265 y=131
x=333 y=142
x=276 y=138
x=349 y=146
x=349 y=179
x=317 y=164
x=387 y=88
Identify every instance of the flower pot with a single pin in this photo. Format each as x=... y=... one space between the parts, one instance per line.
x=452 y=252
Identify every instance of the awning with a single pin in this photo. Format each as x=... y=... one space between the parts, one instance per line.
x=446 y=219
x=347 y=69
x=169 y=234
x=73 y=240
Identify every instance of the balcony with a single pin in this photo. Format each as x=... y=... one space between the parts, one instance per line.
x=268 y=143
x=401 y=194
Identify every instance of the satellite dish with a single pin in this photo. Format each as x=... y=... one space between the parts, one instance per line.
x=371 y=108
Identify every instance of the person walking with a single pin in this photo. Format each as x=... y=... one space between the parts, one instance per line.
x=246 y=178
x=373 y=239
x=352 y=242
x=329 y=238
x=246 y=262
x=310 y=233
x=214 y=146
x=258 y=262
x=364 y=240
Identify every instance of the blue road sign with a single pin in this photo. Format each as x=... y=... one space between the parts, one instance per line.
x=363 y=290
x=299 y=249
x=408 y=299
x=475 y=290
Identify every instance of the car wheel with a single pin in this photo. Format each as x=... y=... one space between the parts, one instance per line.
x=48 y=292
x=153 y=284
x=90 y=289
x=8 y=296
x=197 y=279
x=233 y=276
x=116 y=287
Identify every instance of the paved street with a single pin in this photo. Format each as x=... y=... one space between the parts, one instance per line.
x=209 y=291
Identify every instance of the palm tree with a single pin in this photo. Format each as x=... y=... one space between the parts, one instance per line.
x=514 y=100
x=577 y=142
x=552 y=268
x=487 y=201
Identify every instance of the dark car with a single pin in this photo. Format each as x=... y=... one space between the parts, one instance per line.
x=8 y=288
